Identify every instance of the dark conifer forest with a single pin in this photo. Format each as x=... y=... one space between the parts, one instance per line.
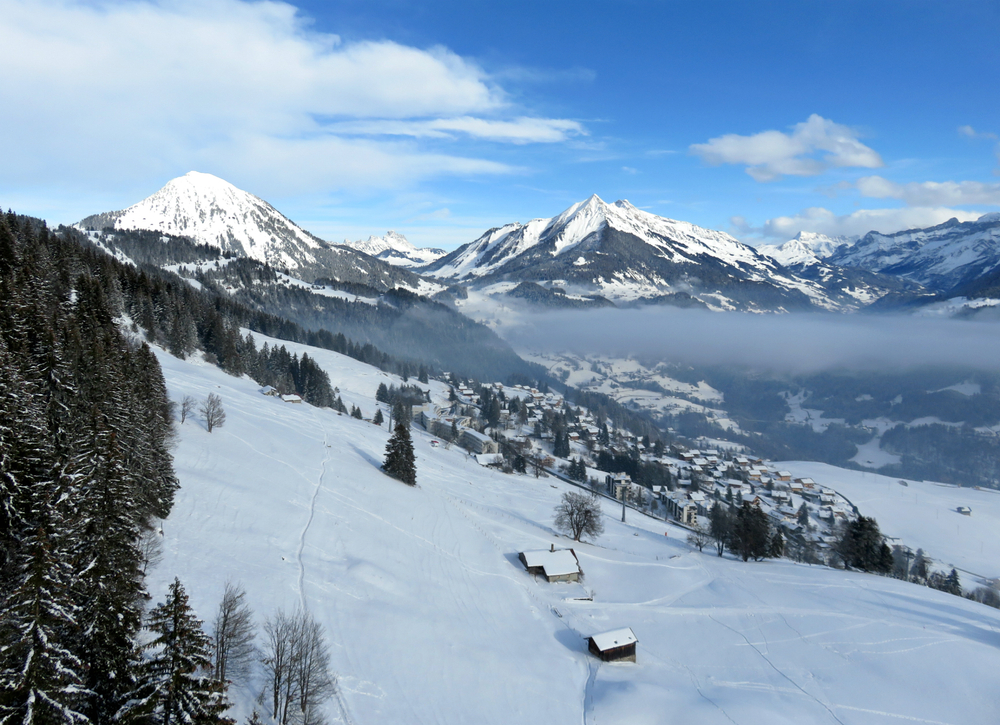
x=85 y=469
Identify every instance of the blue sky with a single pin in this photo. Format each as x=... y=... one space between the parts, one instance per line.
x=442 y=119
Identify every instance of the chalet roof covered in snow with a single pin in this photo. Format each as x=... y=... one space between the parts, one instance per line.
x=614 y=638
x=553 y=563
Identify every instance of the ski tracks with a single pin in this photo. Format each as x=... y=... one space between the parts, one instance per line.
x=309 y=520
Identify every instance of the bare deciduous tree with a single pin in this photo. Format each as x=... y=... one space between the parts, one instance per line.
x=187 y=407
x=235 y=651
x=578 y=514
x=150 y=546
x=214 y=414
x=297 y=663
x=699 y=538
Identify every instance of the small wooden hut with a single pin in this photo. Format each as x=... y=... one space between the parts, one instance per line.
x=618 y=645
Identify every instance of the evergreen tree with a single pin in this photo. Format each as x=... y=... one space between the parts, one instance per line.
x=400 y=462
x=777 y=548
x=356 y=412
x=863 y=547
x=919 y=569
x=378 y=419
x=751 y=533
x=382 y=394
x=803 y=514
x=41 y=679
x=178 y=678
x=952 y=584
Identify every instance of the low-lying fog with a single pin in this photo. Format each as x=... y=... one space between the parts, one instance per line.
x=798 y=343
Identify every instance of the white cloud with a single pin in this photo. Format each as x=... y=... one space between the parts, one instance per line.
x=126 y=91
x=812 y=147
x=931 y=193
x=858 y=223
x=970 y=132
x=519 y=130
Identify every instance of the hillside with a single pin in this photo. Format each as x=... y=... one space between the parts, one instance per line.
x=431 y=617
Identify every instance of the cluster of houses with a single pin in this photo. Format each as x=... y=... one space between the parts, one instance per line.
x=706 y=477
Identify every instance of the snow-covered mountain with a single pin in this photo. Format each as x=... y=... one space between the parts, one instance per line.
x=212 y=211
x=940 y=258
x=806 y=248
x=396 y=249
x=625 y=254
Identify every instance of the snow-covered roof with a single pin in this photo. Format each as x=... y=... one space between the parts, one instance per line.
x=489 y=459
x=614 y=638
x=553 y=563
x=477 y=436
x=291 y=398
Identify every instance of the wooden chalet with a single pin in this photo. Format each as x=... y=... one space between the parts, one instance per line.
x=618 y=645
x=555 y=565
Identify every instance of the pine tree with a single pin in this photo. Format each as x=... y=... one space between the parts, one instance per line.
x=777 y=549
x=952 y=584
x=400 y=462
x=382 y=394
x=178 y=678
x=379 y=418
x=751 y=532
x=356 y=412
x=863 y=547
x=41 y=679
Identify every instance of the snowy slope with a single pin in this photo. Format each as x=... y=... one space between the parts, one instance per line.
x=395 y=249
x=939 y=258
x=625 y=254
x=432 y=619
x=922 y=514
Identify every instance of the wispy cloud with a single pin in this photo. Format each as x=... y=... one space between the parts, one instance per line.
x=970 y=132
x=811 y=148
x=247 y=90
x=930 y=193
x=519 y=130
x=857 y=223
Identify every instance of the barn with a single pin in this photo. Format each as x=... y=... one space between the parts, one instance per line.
x=618 y=645
x=555 y=566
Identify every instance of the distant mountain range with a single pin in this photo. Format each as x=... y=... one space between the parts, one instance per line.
x=619 y=253
x=593 y=254
x=942 y=259
x=395 y=249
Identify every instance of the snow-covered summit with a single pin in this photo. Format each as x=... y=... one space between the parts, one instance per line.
x=212 y=211
x=805 y=248
x=624 y=253
x=395 y=249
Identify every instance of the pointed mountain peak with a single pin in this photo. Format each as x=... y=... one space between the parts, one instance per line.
x=212 y=211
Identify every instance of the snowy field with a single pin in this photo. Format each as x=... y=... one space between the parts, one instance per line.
x=922 y=514
x=432 y=619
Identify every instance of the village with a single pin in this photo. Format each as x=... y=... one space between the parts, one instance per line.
x=519 y=428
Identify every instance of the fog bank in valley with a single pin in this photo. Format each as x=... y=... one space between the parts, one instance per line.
x=797 y=343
